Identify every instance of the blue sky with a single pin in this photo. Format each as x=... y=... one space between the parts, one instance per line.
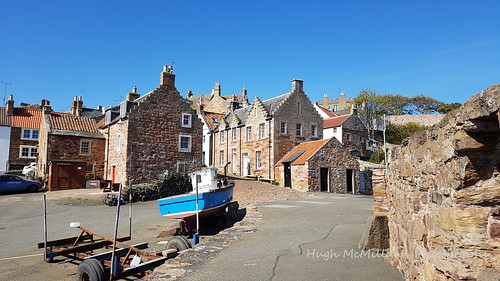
x=55 y=50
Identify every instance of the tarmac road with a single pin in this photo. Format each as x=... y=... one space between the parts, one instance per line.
x=21 y=229
x=312 y=238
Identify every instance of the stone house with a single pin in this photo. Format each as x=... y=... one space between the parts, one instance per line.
x=255 y=137
x=339 y=104
x=321 y=165
x=152 y=135
x=24 y=133
x=211 y=109
x=349 y=130
x=68 y=138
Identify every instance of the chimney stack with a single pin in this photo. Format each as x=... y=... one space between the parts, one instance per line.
x=216 y=90
x=10 y=106
x=133 y=95
x=77 y=106
x=297 y=85
x=167 y=77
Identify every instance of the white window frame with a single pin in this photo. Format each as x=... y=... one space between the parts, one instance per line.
x=118 y=147
x=262 y=130
x=189 y=119
x=314 y=130
x=298 y=129
x=89 y=147
x=31 y=155
x=190 y=142
x=222 y=136
x=249 y=133
x=30 y=132
x=234 y=136
x=283 y=128
x=258 y=160
x=221 y=158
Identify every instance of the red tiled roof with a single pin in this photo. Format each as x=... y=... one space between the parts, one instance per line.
x=327 y=112
x=27 y=117
x=335 y=121
x=73 y=123
x=208 y=119
x=309 y=149
x=101 y=122
x=238 y=97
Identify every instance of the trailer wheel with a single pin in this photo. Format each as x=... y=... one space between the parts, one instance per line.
x=180 y=243
x=90 y=270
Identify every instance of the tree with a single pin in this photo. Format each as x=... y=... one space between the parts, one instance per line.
x=447 y=107
x=395 y=134
x=421 y=104
x=369 y=107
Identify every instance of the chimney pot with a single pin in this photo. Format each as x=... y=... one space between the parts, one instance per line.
x=167 y=77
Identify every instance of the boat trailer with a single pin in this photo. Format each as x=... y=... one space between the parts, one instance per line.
x=128 y=260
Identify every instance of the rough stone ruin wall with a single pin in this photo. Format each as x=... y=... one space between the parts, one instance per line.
x=443 y=187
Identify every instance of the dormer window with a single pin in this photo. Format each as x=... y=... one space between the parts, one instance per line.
x=186 y=120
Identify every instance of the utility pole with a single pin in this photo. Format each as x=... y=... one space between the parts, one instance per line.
x=5 y=84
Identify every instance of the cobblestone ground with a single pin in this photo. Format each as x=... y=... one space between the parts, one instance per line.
x=250 y=192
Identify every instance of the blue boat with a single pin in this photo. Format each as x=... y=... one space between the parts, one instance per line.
x=213 y=197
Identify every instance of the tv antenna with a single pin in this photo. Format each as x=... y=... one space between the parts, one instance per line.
x=5 y=84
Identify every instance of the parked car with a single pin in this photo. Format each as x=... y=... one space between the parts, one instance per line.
x=29 y=170
x=13 y=183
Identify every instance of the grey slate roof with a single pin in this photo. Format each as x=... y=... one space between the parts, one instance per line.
x=270 y=105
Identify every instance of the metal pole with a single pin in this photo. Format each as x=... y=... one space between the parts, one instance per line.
x=385 y=150
x=45 y=227
x=113 y=267
x=195 y=241
x=129 y=211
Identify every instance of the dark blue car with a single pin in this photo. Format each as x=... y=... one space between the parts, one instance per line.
x=13 y=183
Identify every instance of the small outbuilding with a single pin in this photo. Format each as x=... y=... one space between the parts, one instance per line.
x=322 y=165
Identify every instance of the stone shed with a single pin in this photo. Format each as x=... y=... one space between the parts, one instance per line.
x=321 y=165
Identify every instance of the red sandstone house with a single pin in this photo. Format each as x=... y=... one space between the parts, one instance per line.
x=255 y=137
x=321 y=165
x=150 y=136
x=71 y=150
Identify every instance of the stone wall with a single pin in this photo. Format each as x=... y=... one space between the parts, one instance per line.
x=423 y=119
x=381 y=205
x=443 y=186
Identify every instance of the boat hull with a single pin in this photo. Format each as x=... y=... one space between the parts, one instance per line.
x=184 y=206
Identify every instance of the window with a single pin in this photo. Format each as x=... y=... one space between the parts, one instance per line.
x=233 y=160
x=249 y=133
x=186 y=120
x=347 y=137
x=214 y=120
x=299 y=109
x=28 y=151
x=118 y=143
x=283 y=128
x=222 y=136
x=314 y=130
x=29 y=134
x=221 y=158
x=203 y=138
x=258 y=159
x=262 y=131
x=298 y=130
x=89 y=168
x=84 y=147
x=184 y=143
x=335 y=108
x=233 y=134
x=182 y=167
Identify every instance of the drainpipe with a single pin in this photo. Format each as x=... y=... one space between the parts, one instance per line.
x=107 y=157
x=269 y=149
